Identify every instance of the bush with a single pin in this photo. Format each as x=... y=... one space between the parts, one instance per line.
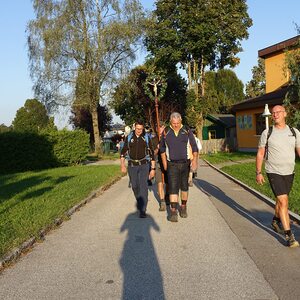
x=69 y=147
x=21 y=152
x=25 y=151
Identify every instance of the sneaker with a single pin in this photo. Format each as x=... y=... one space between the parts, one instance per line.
x=290 y=241
x=162 y=206
x=277 y=226
x=173 y=217
x=183 y=212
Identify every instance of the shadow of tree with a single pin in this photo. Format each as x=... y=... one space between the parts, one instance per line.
x=142 y=274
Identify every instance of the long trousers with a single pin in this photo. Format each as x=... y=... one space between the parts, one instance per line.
x=138 y=177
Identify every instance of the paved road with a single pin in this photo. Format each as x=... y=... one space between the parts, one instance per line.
x=221 y=251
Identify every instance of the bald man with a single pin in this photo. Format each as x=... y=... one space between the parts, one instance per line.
x=277 y=148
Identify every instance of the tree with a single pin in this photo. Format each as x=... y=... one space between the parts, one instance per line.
x=4 y=128
x=82 y=118
x=292 y=100
x=132 y=99
x=257 y=85
x=78 y=48
x=198 y=34
x=32 y=117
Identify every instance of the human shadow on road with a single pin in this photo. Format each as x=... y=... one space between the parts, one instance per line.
x=139 y=263
x=262 y=219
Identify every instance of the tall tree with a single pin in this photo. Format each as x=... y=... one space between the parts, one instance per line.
x=198 y=34
x=32 y=117
x=78 y=48
x=292 y=100
x=257 y=85
x=132 y=98
x=82 y=118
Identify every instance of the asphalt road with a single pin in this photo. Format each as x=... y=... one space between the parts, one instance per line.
x=223 y=250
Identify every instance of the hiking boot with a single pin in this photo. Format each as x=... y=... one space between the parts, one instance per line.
x=143 y=214
x=290 y=241
x=183 y=212
x=173 y=216
x=162 y=206
x=277 y=226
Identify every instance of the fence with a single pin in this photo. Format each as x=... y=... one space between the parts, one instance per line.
x=219 y=145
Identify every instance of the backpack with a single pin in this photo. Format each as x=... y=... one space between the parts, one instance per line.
x=292 y=129
x=147 y=140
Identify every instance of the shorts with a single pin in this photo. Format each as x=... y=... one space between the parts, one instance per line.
x=178 y=174
x=159 y=172
x=280 y=184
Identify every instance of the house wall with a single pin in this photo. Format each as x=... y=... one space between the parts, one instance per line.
x=275 y=75
x=246 y=129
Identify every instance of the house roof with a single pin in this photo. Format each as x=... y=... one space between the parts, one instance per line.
x=272 y=98
x=279 y=47
x=227 y=120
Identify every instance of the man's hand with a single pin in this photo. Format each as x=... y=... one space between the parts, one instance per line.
x=151 y=174
x=260 y=179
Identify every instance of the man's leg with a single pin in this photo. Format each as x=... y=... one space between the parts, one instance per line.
x=173 y=182
x=282 y=204
x=133 y=178
x=143 y=175
x=185 y=169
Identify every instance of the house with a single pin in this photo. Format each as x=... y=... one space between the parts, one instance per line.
x=249 y=120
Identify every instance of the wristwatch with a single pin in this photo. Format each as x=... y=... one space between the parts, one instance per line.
x=257 y=173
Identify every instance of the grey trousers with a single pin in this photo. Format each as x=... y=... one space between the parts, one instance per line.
x=138 y=178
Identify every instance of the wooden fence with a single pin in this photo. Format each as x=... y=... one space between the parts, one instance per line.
x=219 y=145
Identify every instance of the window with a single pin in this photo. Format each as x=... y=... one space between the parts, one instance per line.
x=212 y=134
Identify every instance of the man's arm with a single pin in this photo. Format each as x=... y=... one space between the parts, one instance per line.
x=259 y=161
x=122 y=156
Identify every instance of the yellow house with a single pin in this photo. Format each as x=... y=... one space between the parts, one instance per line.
x=249 y=120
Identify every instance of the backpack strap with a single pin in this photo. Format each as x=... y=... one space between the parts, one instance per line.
x=267 y=142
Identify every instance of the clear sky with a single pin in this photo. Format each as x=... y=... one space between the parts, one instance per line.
x=273 y=22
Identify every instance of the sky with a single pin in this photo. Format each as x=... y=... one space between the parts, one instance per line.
x=273 y=22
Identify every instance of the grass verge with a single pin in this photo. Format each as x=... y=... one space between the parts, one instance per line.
x=31 y=201
x=221 y=157
x=245 y=172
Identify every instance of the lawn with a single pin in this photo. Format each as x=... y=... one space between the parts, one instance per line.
x=246 y=173
x=221 y=157
x=31 y=201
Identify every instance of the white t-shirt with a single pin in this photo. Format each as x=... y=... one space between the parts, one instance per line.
x=281 y=150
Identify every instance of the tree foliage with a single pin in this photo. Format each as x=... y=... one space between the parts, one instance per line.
x=198 y=34
x=257 y=85
x=32 y=117
x=78 y=48
x=131 y=100
x=292 y=100
x=82 y=118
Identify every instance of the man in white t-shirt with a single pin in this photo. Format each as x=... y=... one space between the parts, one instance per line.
x=277 y=147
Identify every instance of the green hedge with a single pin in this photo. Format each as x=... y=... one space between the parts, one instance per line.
x=30 y=151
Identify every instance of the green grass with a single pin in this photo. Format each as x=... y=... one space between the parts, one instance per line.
x=246 y=173
x=31 y=201
x=221 y=157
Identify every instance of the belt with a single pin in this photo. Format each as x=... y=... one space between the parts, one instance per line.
x=180 y=161
x=137 y=162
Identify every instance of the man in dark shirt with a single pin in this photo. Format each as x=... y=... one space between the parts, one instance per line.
x=177 y=159
x=139 y=151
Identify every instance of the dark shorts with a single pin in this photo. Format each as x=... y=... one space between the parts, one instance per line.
x=280 y=184
x=178 y=174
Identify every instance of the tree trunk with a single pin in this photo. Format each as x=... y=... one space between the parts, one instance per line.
x=97 y=138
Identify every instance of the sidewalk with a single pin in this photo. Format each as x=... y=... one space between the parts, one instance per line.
x=223 y=250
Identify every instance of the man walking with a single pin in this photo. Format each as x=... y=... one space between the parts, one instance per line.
x=139 y=151
x=277 y=146
x=177 y=161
